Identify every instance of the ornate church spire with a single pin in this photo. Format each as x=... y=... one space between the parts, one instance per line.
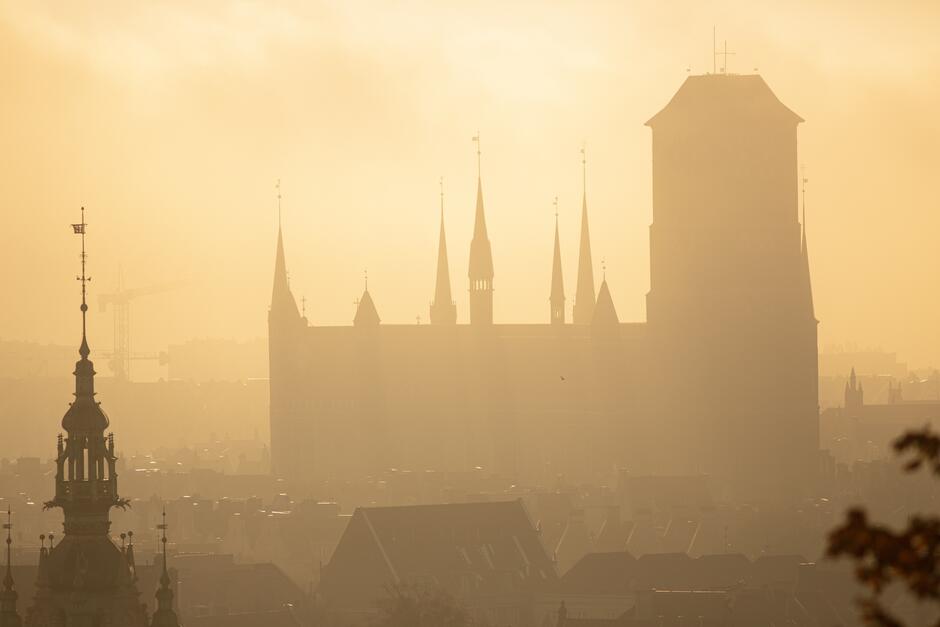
x=8 y=596
x=164 y=616
x=557 y=298
x=481 y=259
x=84 y=576
x=584 y=298
x=443 y=308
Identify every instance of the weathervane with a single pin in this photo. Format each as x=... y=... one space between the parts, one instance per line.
x=79 y=229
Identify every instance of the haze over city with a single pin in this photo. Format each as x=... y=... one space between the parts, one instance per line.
x=172 y=124
x=439 y=314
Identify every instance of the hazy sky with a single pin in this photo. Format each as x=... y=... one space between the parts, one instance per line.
x=171 y=123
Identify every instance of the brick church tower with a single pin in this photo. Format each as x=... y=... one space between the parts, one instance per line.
x=730 y=309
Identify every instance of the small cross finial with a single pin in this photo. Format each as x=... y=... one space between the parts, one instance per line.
x=555 y=203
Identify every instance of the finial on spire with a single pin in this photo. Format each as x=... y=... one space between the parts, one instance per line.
x=604 y=268
x=476 y=138
x=555 y=203
x=365 y=275
x=303 y=306
x=441 y=182
x=79 y=229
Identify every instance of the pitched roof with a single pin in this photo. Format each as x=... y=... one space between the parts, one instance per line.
x=600 y=573
x=723 y=97
x=458 y=546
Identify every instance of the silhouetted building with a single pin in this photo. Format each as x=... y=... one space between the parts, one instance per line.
x=86 y=579
x=721 y=381
x=486 y=555
x=864 y=431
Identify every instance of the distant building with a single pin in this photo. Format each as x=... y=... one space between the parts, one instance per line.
x=486 y=555
x=860 y=430
x=721 y=381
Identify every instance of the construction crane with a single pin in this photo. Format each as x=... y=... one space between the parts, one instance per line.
x=121 y=299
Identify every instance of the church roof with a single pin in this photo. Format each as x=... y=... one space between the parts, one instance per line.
x=488 y=543
x=723 y=96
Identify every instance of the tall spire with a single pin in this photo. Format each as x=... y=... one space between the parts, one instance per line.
x=84 y=413
x=443 y=307
x=806 y=277
x=584 y=297
x=282 y=300
x=8 y=595
x=164 y=616
x=481 y=259
x=557 y=298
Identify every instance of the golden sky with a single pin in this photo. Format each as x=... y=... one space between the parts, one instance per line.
x=171 y=123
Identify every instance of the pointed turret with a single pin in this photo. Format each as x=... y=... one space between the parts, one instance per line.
x=605 y=315
x=584 y=298
x=8 y=615
x=481 y=260
x=366 y=313
x=443 y=307
x=557 y=298
x=164 y=616
x=282 y=300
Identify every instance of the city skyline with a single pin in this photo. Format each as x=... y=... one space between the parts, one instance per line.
x=347 y=209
